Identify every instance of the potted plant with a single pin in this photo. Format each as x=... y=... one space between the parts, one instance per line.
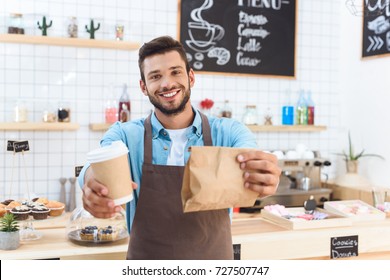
x=9 y=232
x=351 y=158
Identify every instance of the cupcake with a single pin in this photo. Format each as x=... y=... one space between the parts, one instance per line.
x=40 y=212
x=56 y=208
x=20 y=212
x=12 y=205
x=107 y=234
x=89 y=233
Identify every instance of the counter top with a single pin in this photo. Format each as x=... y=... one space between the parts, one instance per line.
x=259 y=239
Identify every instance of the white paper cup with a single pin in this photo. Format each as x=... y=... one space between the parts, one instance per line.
x=110 y=166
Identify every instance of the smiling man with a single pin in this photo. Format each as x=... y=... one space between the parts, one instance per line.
x=159 y=146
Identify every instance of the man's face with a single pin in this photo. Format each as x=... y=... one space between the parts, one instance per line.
x=167 y=83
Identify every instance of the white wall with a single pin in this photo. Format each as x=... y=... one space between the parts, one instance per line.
x=44 y=75
x=365 y=91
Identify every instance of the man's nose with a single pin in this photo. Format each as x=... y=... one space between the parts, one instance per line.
x=167 y=82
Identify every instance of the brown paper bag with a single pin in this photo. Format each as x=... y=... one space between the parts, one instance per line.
x=213 y=180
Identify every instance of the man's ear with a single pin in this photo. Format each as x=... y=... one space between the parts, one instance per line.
x=191 y=76
x=143 y=87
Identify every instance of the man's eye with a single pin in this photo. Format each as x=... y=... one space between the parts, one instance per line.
x=155 y=77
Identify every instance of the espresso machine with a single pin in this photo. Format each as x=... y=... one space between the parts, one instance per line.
x=300 y=179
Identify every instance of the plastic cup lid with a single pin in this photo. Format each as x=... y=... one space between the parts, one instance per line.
x=116 y=149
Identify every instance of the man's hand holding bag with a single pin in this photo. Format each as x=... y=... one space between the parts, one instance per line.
x=213 y=180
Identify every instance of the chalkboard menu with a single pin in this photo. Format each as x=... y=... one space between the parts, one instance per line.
x=239 y=36
x=376 y=28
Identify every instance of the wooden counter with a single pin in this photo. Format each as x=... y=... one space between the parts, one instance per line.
x=259 y=239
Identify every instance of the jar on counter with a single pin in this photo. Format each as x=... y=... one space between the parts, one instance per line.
x=16 y=25
x=226 y=111
x=250 y=115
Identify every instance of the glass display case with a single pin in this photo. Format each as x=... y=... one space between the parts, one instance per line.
x=85 y=229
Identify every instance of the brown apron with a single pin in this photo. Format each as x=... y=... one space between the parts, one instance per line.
x=160 y=229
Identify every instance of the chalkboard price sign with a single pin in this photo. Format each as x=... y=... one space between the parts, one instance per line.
x=344 y=247
x=239 y=36
x=21 y=146
x=376 y=28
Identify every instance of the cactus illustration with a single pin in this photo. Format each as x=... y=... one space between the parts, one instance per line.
x=91 y=30
x=44 y=26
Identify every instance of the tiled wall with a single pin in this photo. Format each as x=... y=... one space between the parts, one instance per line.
x=44 y=76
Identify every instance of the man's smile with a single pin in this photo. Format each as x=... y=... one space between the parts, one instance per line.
x=170 y=93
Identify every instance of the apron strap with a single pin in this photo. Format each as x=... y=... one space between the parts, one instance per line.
x=206 y=130
x=148 y=137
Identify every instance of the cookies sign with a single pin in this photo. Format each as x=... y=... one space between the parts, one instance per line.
x=239 y=36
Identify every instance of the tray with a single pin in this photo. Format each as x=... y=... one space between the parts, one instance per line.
x=357 y=210
x=75 y=236
x=332 y=220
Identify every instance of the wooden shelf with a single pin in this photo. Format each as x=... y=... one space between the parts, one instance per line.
x=99 y=126
x=287 y=128
x=68 y=42
x=42 y=126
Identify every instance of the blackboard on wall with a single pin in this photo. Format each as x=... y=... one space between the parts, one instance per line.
x=239 y=36
x=376 y=28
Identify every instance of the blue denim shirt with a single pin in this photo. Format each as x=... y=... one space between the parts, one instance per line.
x=224 y=132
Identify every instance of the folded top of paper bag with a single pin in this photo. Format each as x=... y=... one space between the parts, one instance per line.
x=213 y=180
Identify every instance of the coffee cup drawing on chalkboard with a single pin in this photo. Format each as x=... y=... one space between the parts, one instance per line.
x=205 y=35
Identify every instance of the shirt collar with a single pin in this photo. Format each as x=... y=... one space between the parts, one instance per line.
x=158 y=129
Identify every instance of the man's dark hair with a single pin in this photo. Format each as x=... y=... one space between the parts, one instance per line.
x=160 y=45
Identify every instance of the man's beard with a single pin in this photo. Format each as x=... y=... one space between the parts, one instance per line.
x=172 y=111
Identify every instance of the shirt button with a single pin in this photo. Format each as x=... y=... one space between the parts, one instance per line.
x=164 y=133
x=165 y=148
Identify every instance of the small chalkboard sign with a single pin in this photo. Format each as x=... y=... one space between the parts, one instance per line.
x=21 y=146
x=240 y=36
x=77 y=170
x=237 y=251
x=10 y=145
x=376 y=28
x=344 y=247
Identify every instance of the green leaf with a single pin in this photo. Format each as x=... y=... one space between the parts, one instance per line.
x=8 y=223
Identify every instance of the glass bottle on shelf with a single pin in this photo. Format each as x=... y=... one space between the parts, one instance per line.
x=310 y=109
x=250 y=115
x=288 y=111
x=226 y=111
x=268 y=117
x=110 y=107
x=110 y=112
x=124 y=105
x=301 y=109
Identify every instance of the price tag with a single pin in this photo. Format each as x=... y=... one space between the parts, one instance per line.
x=10 y=145
x=21 y=146
x=344 y=247
x=237 y=251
